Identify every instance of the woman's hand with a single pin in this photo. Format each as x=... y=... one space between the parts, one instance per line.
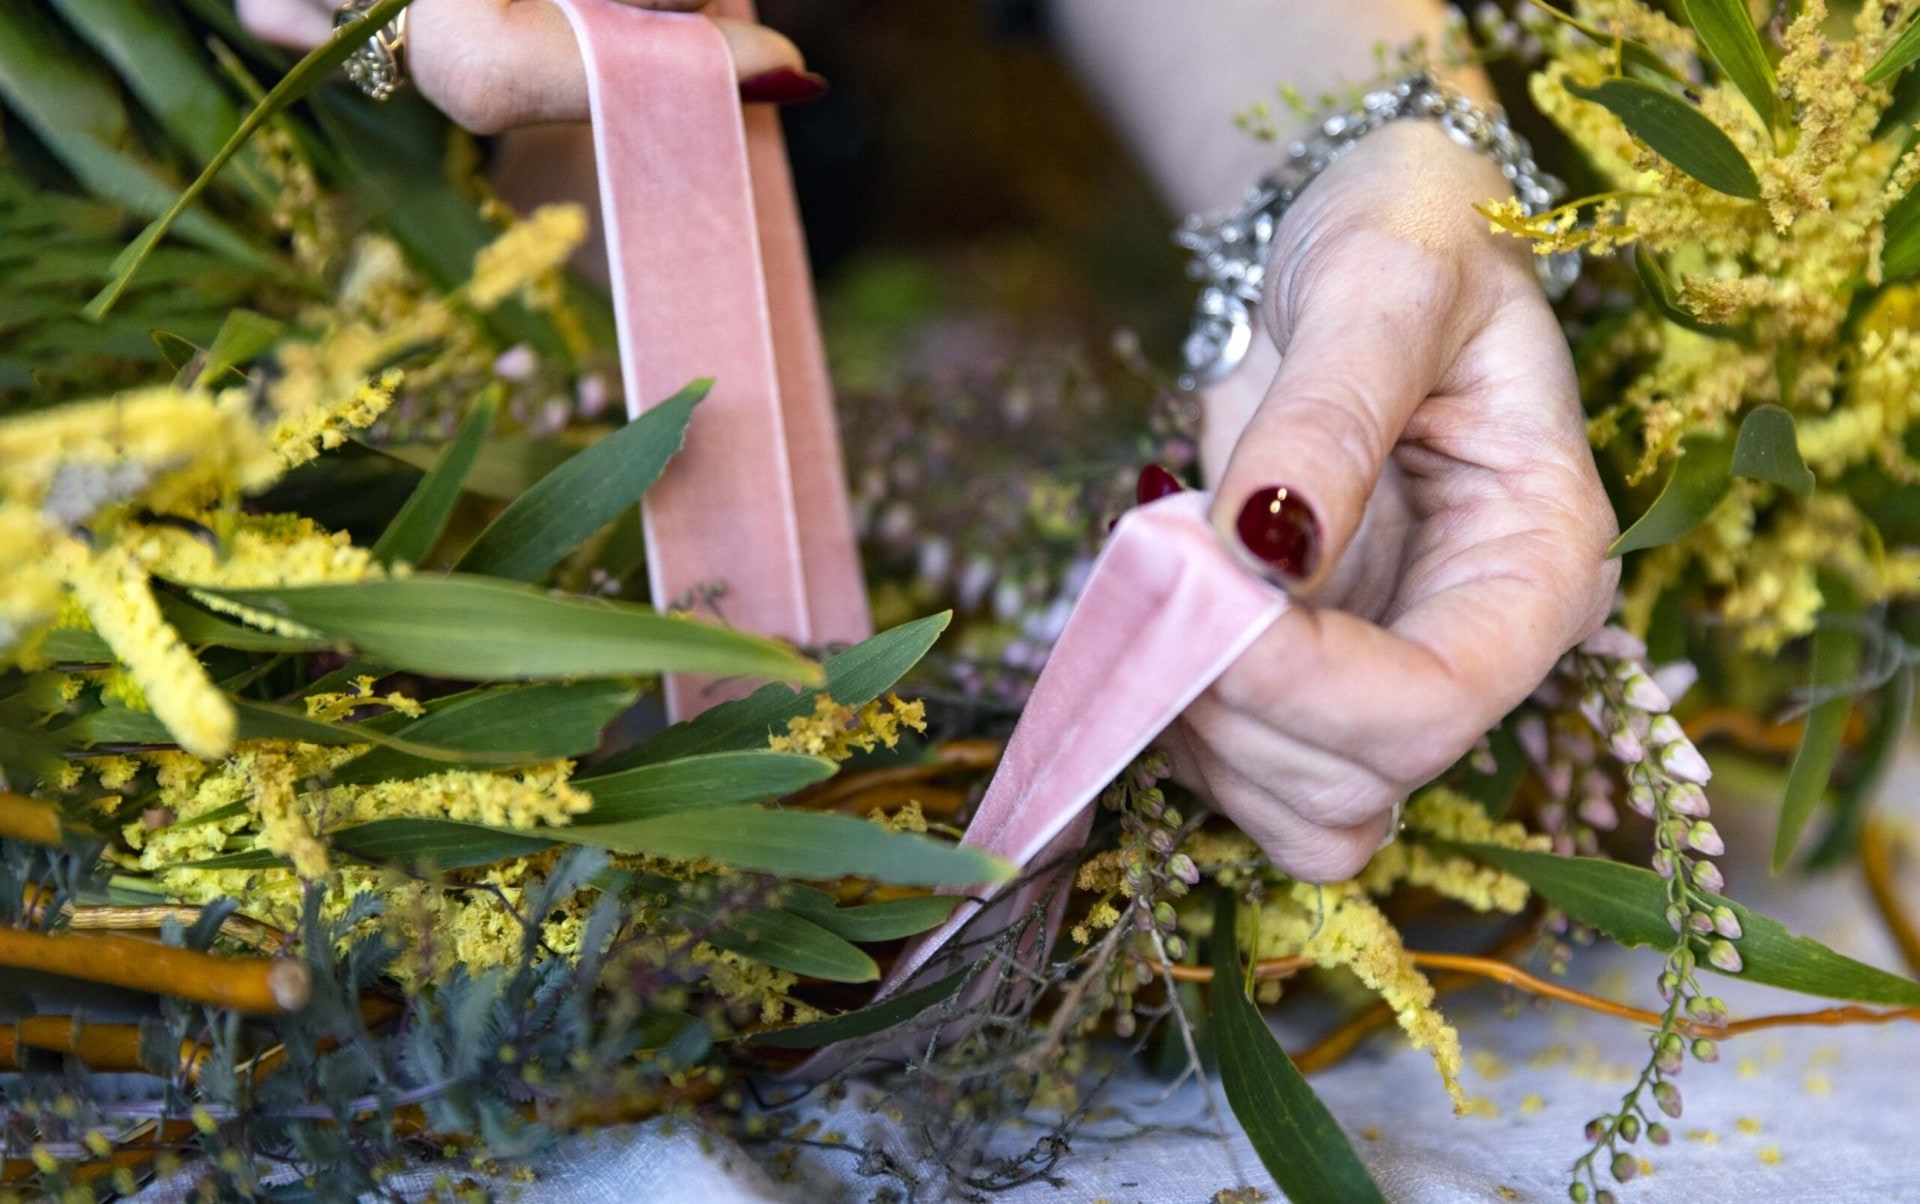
x=491 y=65
x=1415 y=469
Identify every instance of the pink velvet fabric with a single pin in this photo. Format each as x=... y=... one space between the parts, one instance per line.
x=710 y=278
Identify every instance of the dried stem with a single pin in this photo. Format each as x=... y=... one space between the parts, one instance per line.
x=241 y=984
x=1514 y=976
x=1876 y=866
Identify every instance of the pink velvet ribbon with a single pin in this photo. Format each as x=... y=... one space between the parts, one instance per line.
x=710 y=278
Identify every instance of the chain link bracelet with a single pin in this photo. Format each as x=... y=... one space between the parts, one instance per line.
x=1230 y=253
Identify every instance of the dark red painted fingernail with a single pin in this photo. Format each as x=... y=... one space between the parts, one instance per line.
x=784 y=86
x=1279 y=528
x=1156 y=483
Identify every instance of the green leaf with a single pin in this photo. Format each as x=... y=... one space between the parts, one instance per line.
x=1678 y=132
x=1629 y=904
x=1897 y=57
x=269 y=721
x=1726 y=33
x=155 y=54
x=889 y=920
x=200 y=629
x=176 y=351
x=1841 y=841
x=1836 y=660
x=74 y=646
x=1297 y=1139
x=853 y=678
x=698 y=783
x=243 y=337
x=1659 y=286
x=418 y=525
x=787 y=942
x=306 y=74
x=573 y=501
x=442 y=843
x=1768 y=450
x=1700 y=478
x=796 y=844
x=507 y=466
x=545 y=721
x=1633 y=55
x=874 y=1018
x=475 y=628
x=1900 y=253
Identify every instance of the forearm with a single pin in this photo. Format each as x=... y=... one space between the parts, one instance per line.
x=1172 y=73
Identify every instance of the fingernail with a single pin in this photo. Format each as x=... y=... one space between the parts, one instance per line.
x=1156 y=483
x=1279 y=528
x=783 y=86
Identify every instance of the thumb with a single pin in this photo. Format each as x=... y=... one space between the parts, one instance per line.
x=1354 y=367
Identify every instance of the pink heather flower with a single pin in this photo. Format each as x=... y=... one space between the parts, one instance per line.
x=1640 y=798
x=1705 y=838
x=1664 y=730
x=1726 y=923
x=1687 y=799
x=1593 y=707
x=1616 y=642
x=1663 y=863
x=1626 y=747
x=1676 y=679
x=1642 y=694
x=1531 y=732
x=1683 y=761
x=1598 y=812
x=1706 y=876
x=1721 y=955
x=1578 y=746
x=516 y=363
x=1559 y=779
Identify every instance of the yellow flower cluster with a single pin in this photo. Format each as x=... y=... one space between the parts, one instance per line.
x=341 y=703
x=1339 y=927
x=527 y=258
x=1441 y=813
x=1793 y=282
x=837 y=731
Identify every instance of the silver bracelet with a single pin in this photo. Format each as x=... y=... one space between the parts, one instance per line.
x=1230 y=253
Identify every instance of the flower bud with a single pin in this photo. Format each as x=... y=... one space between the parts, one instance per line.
x=1705 y=1051
x=1670 y=1059
x=1616 y=643
x=1598 y=812
x=1663 y=730
x=1721 y=955
x=1593 y=708
x=1676 y=918
x=1669 y=983
x=1165 y=917
x=1640 y=798
x=1630 y=1127
x=1577 y=1192
x=1597 y=1128
x=1726 y=923
x=1605 y=1197
x=1152 y=802
x=1531 y=732
x=1700 y=922
x=1668 y=1097
x=1657 y=1133
x=1683 y=761
x=1624 y=1167
x=1160 y=841
x=1643 y=694
x=1705 y=838
x=1706 y=876
x=1181 y=866
x=1662 y=863
x=1686 y=798
x=1170 y=818
x=1626 y=746
x=1176 y=947
x=1124 y=1025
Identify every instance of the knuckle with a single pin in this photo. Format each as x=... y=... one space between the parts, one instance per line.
x=1327 y=856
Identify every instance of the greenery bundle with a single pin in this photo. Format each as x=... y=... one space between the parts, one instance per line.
x=323 y=814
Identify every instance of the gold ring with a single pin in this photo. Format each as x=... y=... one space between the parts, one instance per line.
x=378 y=66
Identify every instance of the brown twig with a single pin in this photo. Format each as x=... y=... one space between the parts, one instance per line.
x=242 y=984
x=248 y=931
x=28 y=819
x=950 y=757
x=103 y=1047
x=1876 y=866
x=1514 y=976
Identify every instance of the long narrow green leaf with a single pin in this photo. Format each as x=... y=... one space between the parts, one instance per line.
x=1298 y=1140
x=579 y=497
x=475 y=629
x=698 y=783
x=1836 y=660
x=788 y=942
x=874 y=1018
x=1900 y=254
x=888 y=920
x=243 y=337
x=798 y=844
x=307 y=73
x=1677 y=132
x=201 y=629
x=1897 y=57
x=418 y=525
x=1726 y=33
x=154 y=53
x=544 y=721
x=441 y=843
x=1767 y=449
x=854 y=677
x=1700 y=478
x=1629 y=904
x=1633 y=55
